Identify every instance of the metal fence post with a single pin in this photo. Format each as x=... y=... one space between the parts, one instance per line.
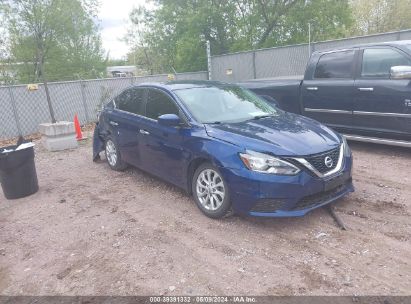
x=15 y=113
x=209 y=59
x=83 y=99
x=254 y=67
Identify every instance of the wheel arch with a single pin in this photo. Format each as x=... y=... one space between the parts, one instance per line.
x=192 y=167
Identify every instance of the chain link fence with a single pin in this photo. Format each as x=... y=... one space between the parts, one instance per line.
x=284 y=61
x=21 y=110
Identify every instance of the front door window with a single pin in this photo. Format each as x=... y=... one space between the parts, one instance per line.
x=159 y=103
x=377 y=62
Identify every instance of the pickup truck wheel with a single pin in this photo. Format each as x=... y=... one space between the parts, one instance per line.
x=210 y=191
x=113 y=156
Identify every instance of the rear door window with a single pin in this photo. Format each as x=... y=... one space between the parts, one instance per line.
x=335 y=65
x=377 y=62
x=159 y=103
x=132 y=101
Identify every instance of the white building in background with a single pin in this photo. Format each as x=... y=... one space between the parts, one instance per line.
x=122 y=71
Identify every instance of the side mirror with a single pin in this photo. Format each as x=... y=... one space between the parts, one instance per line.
x=169 y=120
x=400 y=72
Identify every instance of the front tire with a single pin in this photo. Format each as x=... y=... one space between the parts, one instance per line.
x=113 y=155
x=210 y=191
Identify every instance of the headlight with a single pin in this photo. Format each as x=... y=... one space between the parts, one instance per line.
x=347 y=150
x=264 y=163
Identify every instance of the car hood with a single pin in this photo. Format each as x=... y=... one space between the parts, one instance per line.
x=286 y=134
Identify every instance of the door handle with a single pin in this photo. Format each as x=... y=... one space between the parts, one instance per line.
x=312 y=88
x=142 y=131
x=366 y=89
x=113 y=123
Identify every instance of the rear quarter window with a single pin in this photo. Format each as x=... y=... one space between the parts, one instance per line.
x=109 y=105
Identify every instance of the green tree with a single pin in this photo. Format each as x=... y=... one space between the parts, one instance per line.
x=141 y=54
x=329 y=19
x=54 y=40
x=173 y=34
x=57 y=36
x=176 y=31
x=5 y=70
x=378 y=16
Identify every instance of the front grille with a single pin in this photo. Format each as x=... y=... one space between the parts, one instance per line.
x=319 y=198
x=318 y=161
x=267 y=206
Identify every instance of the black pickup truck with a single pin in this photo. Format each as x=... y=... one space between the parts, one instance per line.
x=362 y=91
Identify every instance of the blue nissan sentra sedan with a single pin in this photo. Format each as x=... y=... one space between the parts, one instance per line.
x=227 y=147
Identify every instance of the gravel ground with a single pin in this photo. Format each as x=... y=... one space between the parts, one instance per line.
x=93 y=231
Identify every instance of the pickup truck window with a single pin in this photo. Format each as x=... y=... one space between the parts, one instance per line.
x=335 y=65
x=377 y=62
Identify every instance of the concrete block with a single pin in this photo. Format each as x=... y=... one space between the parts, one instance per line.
x=58 y=136
x=56 y=129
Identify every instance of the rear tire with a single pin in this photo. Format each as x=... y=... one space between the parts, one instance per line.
x=210 y=191
x=113 y=155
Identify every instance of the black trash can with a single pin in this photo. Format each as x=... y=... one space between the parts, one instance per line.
x=18 y=174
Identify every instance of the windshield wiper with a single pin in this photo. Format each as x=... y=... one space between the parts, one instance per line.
x=262 y=116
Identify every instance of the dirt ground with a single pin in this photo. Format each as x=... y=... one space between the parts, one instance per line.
x=93 y=231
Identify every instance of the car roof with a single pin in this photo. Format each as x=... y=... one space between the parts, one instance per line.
x=184 y=84
x=387 y=43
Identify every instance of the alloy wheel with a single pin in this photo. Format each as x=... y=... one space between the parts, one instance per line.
x=210 y=189
x=111 y=153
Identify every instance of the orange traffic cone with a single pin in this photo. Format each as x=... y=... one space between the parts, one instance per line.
x=79 y=135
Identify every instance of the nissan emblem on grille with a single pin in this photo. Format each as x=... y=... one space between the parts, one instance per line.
x=328 y=161
x=324 y=162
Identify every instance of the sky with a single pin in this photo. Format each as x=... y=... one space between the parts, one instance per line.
x=113 y=23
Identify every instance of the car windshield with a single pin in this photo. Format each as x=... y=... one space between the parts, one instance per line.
x=408 y=46
x=224 y=104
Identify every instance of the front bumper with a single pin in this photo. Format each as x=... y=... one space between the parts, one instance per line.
x=269 y=195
